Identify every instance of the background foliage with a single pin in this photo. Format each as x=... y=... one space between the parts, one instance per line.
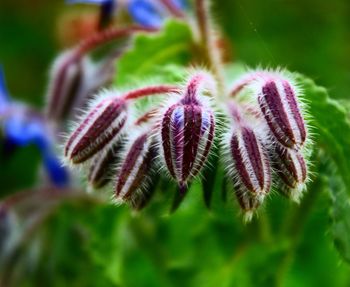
x=86 y=242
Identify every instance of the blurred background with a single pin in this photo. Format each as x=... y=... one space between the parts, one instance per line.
x=105 y=246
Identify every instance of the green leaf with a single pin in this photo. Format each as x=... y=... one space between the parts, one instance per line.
x=173 y=45
x=341 y=220
x=340 y=212
x=330 y=126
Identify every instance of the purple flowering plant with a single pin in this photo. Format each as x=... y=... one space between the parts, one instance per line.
x=147 y=110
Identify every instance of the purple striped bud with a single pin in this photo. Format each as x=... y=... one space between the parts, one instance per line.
x=101 y=170
x=187 y=131
x=65 y=80
x=100 y=126
x=279 y=104
x=135 y=168
x=291 y=168
x=248 y=162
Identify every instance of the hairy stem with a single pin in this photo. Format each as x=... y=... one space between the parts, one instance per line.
x=151 y=90
x=207 y=42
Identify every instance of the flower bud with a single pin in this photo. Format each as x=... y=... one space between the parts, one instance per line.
x=102 y=166
x=250 y=161
x=135 y=167
x=248 y=157
x=247 y=161
x=100 y=126
x=187 y=132
x=65 y=79
x=279 y=105
x=291 y=168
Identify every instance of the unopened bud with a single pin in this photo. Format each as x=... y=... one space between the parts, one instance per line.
x=291 y=167
x=187 y=132
x=102 y=166
x=99 y=127
x=248 y=157
x=65 y=80
x=135 y=167
x=279 y=105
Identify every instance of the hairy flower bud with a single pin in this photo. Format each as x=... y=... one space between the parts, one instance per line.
x=65 y=80
x=101 y=170
x=102 y=124
x=187 y=132
x=105 y=122
x=248 y=162
x=279 y=105
x=135 y=167
x=291 y=167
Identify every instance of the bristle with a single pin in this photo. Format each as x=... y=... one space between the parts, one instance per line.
x=291 y=167
x=101 y=125
x=187 y=131
x=135 y=167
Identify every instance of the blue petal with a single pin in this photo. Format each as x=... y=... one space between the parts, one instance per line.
x=22 y=130
x=99 y=2
x=57 y=174
x=4 y=96
x=144 y=13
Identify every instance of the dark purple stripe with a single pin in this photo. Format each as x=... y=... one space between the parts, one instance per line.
x=59 y=79
x=291 y=98
x=289 y=173
x=84 y=153
x=99 y=128
x=100 y=171
x=239 y=164
x=278 y=114
x=166 y=129
x=131 y=158
x=193 y=122
x=70 y=98
x=302 y=166
x=81 y=127
x=209 y=142
x=192 y=90
x=289 y=164
x=255 y=156
x=268 y=177
x=282 y=166
x=141 y=175
x=286 y=177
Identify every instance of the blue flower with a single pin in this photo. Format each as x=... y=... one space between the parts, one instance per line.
x=4 y=98
x=145 y=13
x=148 y=13
x=23 y=126
x=89 y=1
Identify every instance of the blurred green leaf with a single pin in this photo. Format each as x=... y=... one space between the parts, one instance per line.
x=173 y=45
x=330 y=126
x=340 y=214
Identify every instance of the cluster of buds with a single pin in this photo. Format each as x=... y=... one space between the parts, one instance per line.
x=75 y=78
x=274 y=141
x=263 y=140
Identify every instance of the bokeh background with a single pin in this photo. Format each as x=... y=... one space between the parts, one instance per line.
x=106 y=246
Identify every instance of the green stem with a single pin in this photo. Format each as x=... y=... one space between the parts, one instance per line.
x=207 y=43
